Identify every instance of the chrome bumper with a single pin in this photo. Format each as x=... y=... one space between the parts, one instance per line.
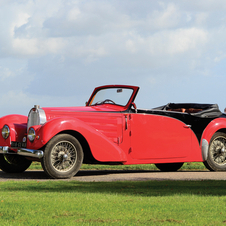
x=22 y=151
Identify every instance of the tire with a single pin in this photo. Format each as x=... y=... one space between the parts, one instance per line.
x=63 y=157
x=216 y=159
x=169 y=167
x=10 y=163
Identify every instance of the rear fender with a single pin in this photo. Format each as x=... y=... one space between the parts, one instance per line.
x=213 y=127
x=101 y=147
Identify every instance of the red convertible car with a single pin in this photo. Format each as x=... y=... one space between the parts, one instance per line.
x=110 y=129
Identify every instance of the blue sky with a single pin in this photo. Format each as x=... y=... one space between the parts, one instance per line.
x=55 y=52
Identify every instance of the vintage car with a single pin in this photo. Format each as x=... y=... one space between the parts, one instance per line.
x=110 y=129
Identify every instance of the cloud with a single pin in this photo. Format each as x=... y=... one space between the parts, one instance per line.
x=61 y=49
x=168 y=42
x=94 y=30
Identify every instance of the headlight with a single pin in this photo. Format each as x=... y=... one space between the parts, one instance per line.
x=31 y=134
x=5 y=132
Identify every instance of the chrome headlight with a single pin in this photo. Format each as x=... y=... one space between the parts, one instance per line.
x=36 y=116
x=5 y=132
x=31 y=134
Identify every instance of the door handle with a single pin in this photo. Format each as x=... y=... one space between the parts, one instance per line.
x=126 y=122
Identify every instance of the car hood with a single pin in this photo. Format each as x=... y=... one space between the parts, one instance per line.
x=58 y=111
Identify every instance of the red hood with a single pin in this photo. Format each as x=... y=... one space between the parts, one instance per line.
x=106 y=107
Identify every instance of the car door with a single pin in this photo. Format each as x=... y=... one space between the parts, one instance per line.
x=158 y=137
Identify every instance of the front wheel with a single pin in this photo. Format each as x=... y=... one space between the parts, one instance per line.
x=169 y=167
x=63 y=157
x=216 y=160
x=10 y=163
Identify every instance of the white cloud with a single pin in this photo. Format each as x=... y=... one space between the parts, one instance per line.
x=180 y=40
x=55 y=48
x=73 y=14
x=36 y=47
x=169 y=42
x=167 y=16
x=94 y=30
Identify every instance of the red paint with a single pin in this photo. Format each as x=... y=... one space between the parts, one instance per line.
x=116 y=133
x=213 y=127
x=18 y=128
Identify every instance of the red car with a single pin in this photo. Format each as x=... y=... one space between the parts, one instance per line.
x=110 y=129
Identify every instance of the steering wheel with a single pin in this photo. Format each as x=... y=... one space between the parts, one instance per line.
x=108 y=100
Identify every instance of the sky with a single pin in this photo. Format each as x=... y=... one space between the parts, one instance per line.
x=55 y=52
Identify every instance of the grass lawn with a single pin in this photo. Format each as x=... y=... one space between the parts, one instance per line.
x=113 y=203
x=186 y=166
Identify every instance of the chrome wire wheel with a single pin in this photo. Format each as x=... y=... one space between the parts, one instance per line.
x=218 y=150
x=63 y=156
x=216 y=159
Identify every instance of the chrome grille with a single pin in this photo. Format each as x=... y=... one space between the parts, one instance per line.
x=36 y=116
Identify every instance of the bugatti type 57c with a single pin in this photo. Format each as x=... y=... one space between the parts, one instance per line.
x=110 y=129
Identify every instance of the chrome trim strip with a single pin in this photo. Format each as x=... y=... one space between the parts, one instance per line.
x=22 y=151
x=205 y=147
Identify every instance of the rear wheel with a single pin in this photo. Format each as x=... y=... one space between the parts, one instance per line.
x=216 y=160
x=13 y=163
x=169 y=167
x=63 y=157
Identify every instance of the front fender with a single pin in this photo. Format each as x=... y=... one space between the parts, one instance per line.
x=101 y=147
x=17 y=125
x=16 y=119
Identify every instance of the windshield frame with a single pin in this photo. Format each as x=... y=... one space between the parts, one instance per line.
x=101 y=88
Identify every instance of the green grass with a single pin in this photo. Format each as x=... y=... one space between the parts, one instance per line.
x=113 y=203
x=186 y=166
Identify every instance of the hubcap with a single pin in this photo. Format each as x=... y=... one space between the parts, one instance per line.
x=217 y=150
x=63 y=156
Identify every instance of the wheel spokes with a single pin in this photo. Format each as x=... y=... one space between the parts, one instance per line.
x=217 y=150
x=63 y=156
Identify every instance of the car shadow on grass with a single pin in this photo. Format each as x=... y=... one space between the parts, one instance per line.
x=110 y=175
x=40 y=175
x=41 y=184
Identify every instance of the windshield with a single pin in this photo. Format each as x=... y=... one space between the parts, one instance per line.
x=118 y=96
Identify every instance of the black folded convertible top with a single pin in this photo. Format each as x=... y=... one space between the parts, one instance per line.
x=198 y=110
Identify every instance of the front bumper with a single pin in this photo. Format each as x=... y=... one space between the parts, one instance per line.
x=22 y=151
